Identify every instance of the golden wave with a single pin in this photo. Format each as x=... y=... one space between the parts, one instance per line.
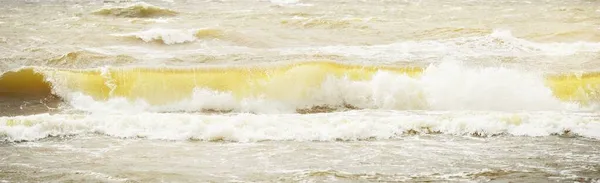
x=165 y=85
x=24 y=82
x=583 y=88
x=140 y=10
x=293 y=81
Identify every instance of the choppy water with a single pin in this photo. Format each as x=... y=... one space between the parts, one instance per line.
x=300 y=91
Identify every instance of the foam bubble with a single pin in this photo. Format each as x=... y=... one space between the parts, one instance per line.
x=354 y=125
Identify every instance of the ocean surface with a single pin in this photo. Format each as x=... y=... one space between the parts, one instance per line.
x=300 y=91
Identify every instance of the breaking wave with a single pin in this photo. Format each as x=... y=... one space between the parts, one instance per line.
x=499 y=43
x=173 y=36
x=305 y=87
x=137 y=10
x=351 y=125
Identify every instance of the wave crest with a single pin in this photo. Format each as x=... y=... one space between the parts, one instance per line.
x=176 y=36
x=138 y=10
x=88 y=58
x=166 y=36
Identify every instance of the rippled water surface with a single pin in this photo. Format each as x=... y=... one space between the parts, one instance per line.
x=299 y=91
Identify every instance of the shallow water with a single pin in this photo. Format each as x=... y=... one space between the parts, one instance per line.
x=411 y=158
x=299 y=91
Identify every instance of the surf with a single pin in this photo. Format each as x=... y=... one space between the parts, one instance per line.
x=343 y=126
x=308 y=86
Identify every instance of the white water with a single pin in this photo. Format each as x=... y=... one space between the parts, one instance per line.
x=498 y=43
x=244 y=127
x=485 y=92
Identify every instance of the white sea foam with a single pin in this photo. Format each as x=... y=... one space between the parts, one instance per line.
x=354 y=125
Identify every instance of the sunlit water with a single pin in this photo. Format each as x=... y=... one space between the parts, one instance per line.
x=299 y=91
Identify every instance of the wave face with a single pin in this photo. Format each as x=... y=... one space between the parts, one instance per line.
x=24 y=82
x=138 y=10
x=318 y=86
